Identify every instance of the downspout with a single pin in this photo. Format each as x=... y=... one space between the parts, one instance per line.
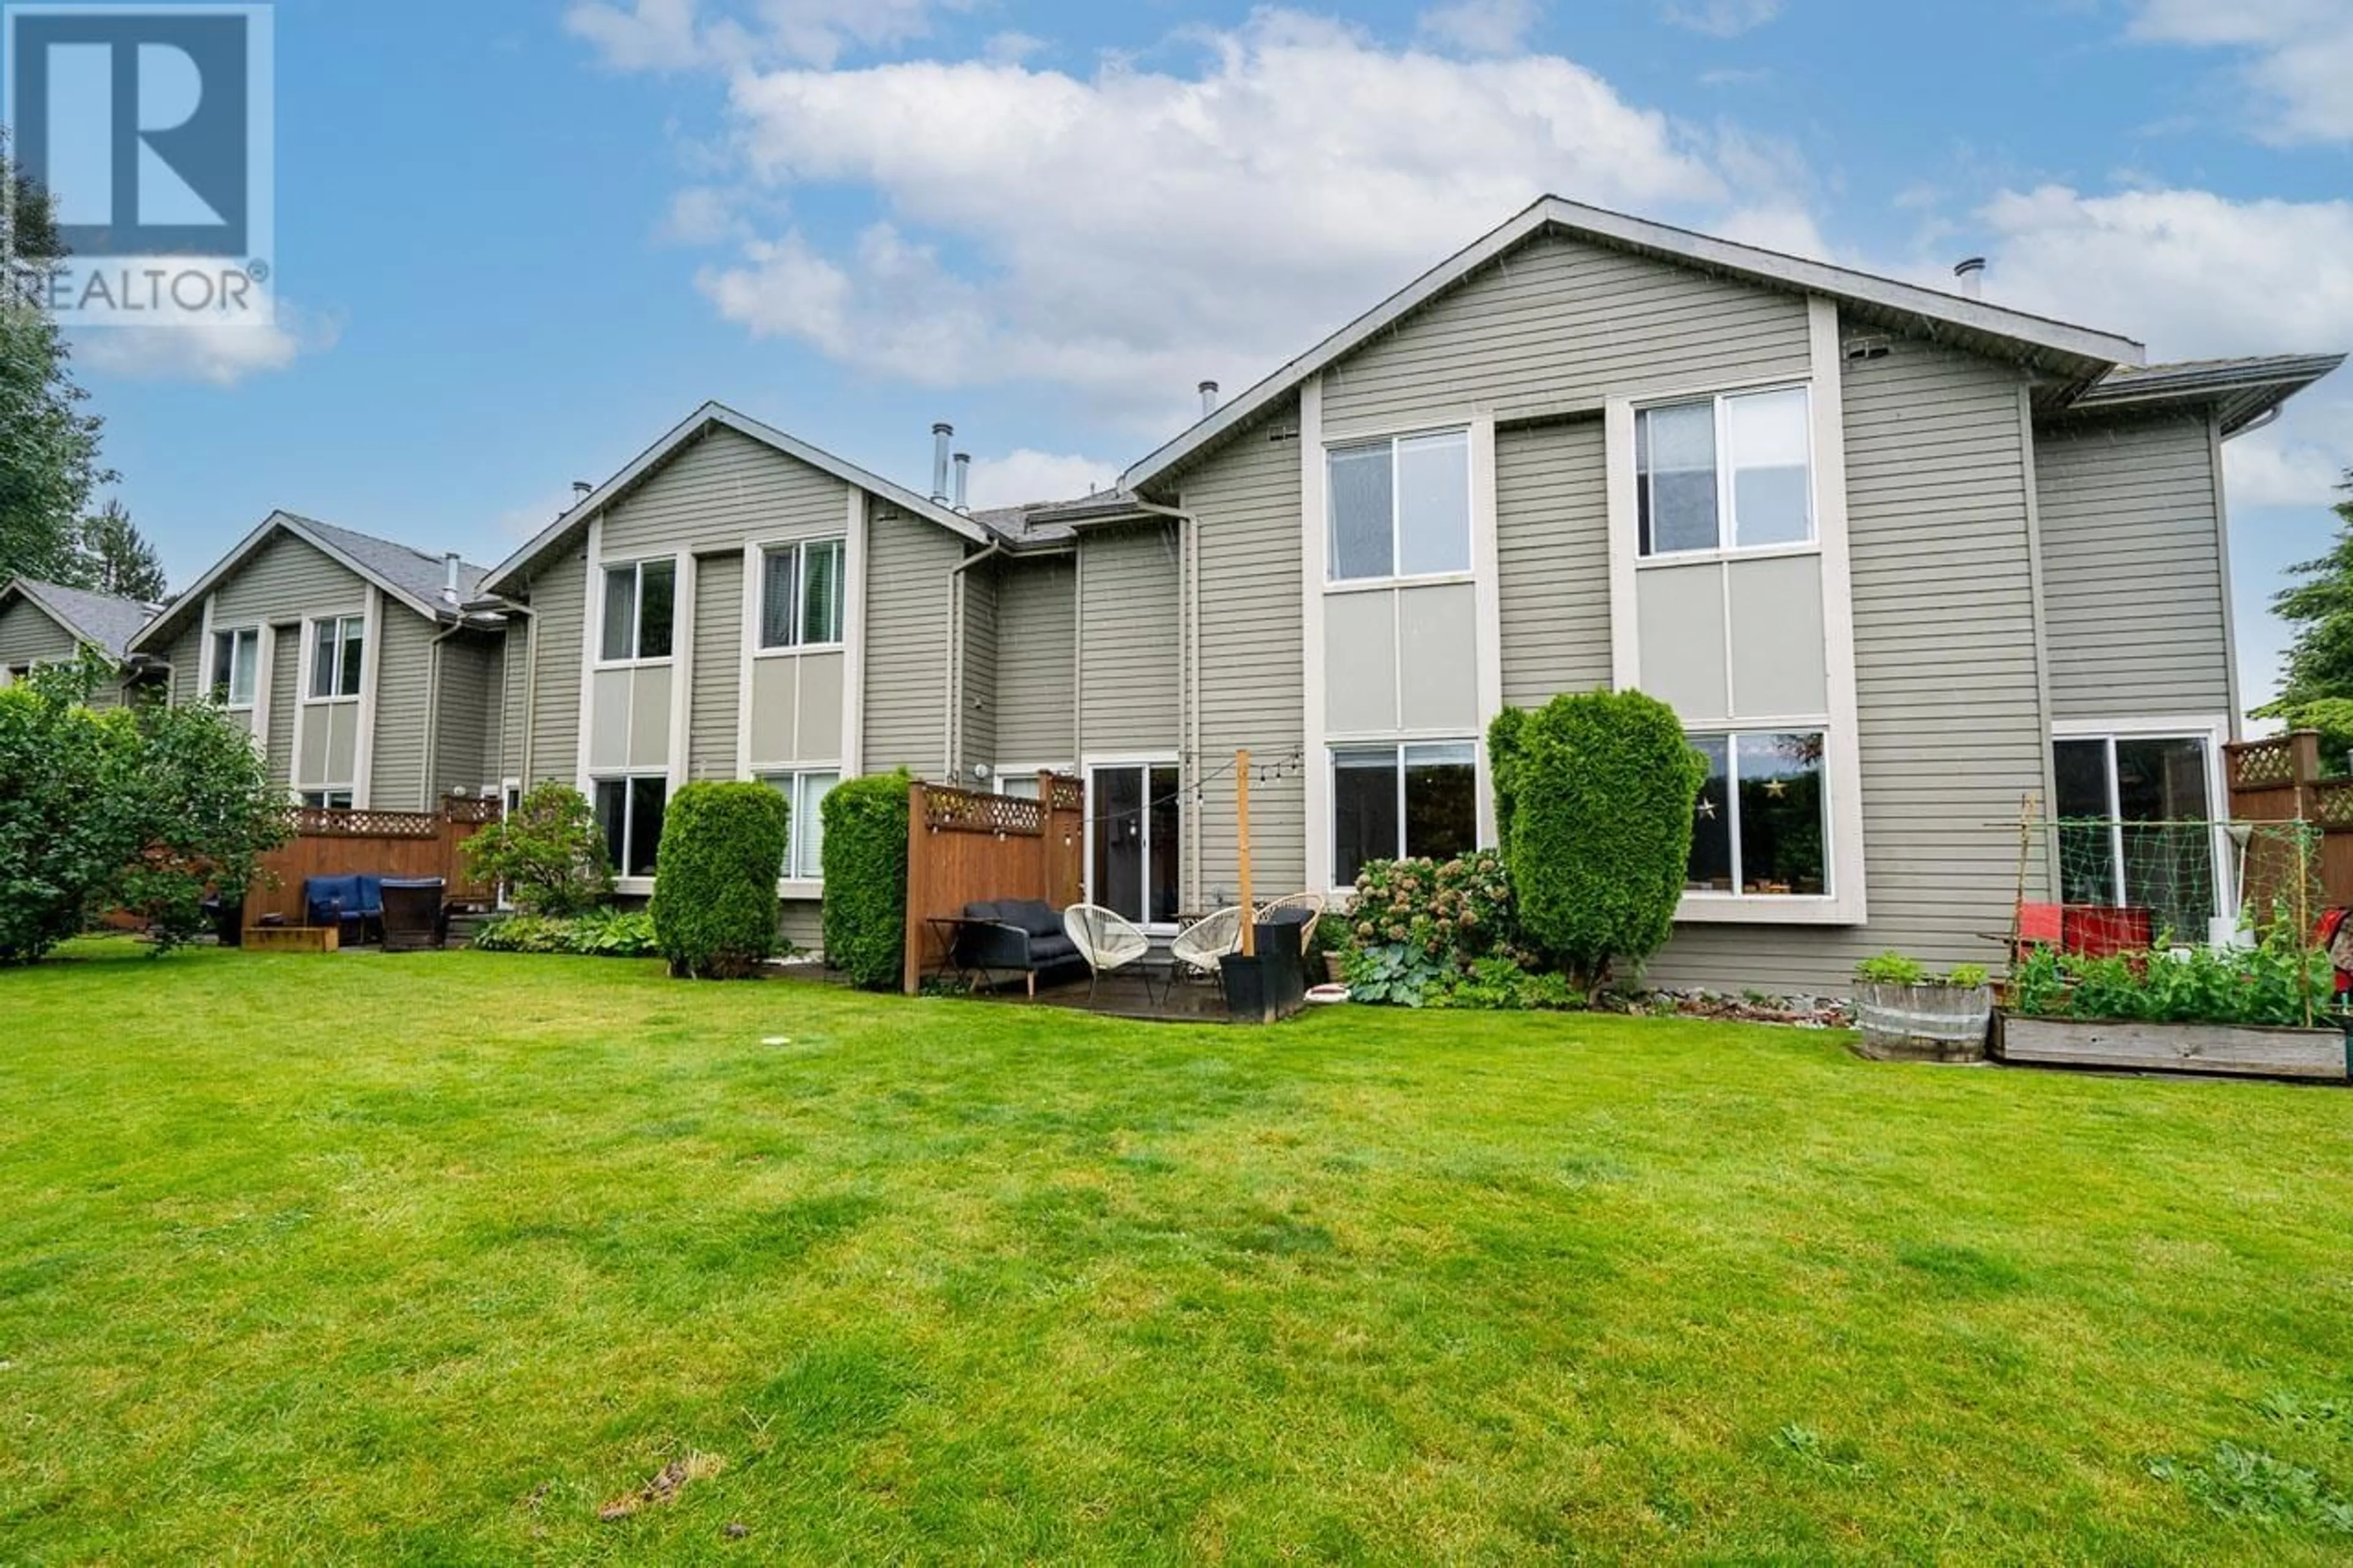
x=956 y=654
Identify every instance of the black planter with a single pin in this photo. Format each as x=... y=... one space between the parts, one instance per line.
x=1269 y=985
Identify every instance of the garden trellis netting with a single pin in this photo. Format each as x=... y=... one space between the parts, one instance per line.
x=2171 y=882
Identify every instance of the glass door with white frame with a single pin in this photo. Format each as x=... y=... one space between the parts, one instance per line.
x=2137 y=828
x=1135 y=840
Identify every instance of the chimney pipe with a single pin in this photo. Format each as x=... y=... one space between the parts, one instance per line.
x=581 y=490
x=1971 y=273
x=449 y=576
x=1208 y=398
x=941 y=436
x=963 y=478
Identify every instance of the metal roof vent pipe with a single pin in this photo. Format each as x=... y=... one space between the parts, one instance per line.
x=1971 y=273
x=941 y=436
x=1208 y=398
x=963 y=480
x=449 y=576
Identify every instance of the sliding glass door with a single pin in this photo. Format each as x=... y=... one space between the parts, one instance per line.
x=2137 y=828
x=1134 y=841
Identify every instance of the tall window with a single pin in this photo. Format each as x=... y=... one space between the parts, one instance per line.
x=2137 y=828
x=629 y=810
x=805 y=854
x=1725 y=473
x=1411 y=800
x=1760 y=826
x=1136 y=838
x=641 y=606
x=337 y=647
x=1401 y=508
x=801 y=594
x=237 y=657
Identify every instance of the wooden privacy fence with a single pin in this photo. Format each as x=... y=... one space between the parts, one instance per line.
x=966 y=849
x=2278 y=780
x=401 y=843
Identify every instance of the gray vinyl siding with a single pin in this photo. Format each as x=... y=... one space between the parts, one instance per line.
x=27 y=636
x=187 y=656
x=1562 y=323
x=979 y=677
x=285 y=696
x=1253 y=692
x=1552 y=533
x=514 y=700
x=803 y=922
x=908 y=563
x=287 y=581
x=559 y=608
x=2133 y=576
x=1037 y=655
x=718 y=666
x=1129 y=679
x=466 y=714
x=724 y=489
x=1952 y=728
x=404 y=683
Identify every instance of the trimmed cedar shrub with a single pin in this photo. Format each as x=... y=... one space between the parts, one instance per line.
x=548 y=853
x=1598 y=791
x=714 y=904
x=866 y=878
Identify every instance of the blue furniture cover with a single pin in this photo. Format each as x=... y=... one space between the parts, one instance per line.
x=356 y=897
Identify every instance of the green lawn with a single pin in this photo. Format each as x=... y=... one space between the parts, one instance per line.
x=426 y=1258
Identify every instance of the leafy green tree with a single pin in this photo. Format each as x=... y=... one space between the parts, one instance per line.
x=48 y=445
x=115 y=557
x=715 y=906
x=1598 y=791
x=548 y=854
x=2317 y=684
x=141 y=809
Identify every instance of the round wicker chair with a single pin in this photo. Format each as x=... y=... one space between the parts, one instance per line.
x=1107 y=941
x=1199 y=945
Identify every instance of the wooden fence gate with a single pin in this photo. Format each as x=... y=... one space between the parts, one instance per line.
x=965 y=848
x=400 y=844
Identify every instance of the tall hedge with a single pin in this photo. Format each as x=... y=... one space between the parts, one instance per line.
x=715 y=905
x=1594 y=795
x=866 y=878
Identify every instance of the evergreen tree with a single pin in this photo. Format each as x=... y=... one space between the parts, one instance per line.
x=117 y=559
x=48 y=445
x=2317 y=684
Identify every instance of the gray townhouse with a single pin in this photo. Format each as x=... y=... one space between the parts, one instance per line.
x=364 y=679
x=48 y=623
x=1902 y=559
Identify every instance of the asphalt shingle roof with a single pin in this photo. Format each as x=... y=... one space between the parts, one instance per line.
x=413 y=570
x=99 y=619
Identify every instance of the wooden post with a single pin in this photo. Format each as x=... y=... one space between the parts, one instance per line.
x=918 y=896
x=1242 y=850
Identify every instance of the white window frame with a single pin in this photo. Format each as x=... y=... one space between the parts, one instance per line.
x=1145 y=762
x=678 y=574
x=1727 y=523
x=1333 y=581
x=1399 y=746
x=324 y=799
x=229 y=687
x=627 y=777
x=1730 y=734
x=312 y=626
x=2214 y=730
x=799 y=880
x=798 y=550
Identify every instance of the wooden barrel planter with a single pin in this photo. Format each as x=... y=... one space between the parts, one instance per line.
x=1922 y=1022
x=2243 y=1049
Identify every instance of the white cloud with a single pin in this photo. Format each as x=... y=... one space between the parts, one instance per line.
x=2299 y=57
x=1023 y=475
x=222 y=355
x=702 y=215
x=677 y=35
x=1480 y=27
x=1723 y=19
x=2278 y=467
x=1298 y=174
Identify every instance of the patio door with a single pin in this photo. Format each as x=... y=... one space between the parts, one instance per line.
x=1134 y=841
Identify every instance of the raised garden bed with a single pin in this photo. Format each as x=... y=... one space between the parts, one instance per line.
x=2324 y=1054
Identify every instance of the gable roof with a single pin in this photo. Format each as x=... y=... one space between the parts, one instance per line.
x=718 y=416
x=408 y=574
x=2069 y=352
x=2242 y=391
x=100 y=620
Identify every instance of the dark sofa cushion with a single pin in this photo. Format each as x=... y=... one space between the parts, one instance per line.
x=1046 y=950
x=1031 y=915
x=981 y=911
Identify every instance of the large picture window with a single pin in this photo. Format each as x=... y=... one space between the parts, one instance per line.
x=1401 y=508
x=640 y=609
x=805 y=853
x=236 y=659
x=2137 y=828
x=1406 y=800
x=1761 y=824
x=629 y=811
x=338 y=647
x=801 y=594
x=1725 y=473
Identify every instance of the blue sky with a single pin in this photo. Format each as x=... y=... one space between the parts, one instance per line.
x=522 y=240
